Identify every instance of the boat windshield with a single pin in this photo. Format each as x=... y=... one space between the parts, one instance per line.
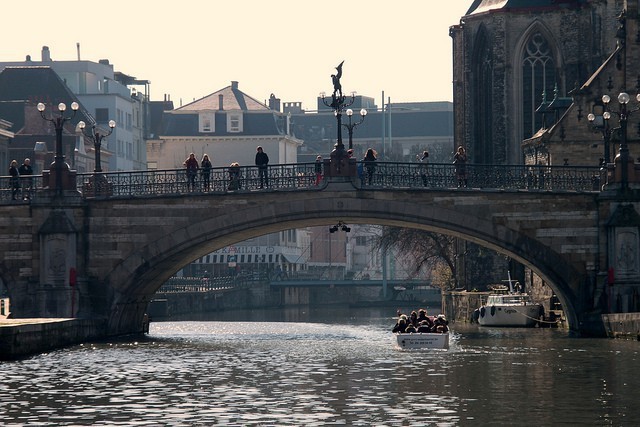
x=509 y=299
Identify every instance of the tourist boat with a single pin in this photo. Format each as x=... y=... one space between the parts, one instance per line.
x=420 y=340
x=506 y=307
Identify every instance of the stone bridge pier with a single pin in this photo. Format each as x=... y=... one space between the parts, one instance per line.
x=105 y=258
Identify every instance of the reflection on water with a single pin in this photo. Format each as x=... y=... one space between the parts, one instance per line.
x=324 y=367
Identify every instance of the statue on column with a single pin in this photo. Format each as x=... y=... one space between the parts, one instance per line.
x=335 y=78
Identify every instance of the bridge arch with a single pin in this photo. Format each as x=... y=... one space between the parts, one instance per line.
x=491 y=220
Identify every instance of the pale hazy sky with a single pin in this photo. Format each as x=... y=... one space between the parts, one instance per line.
x=191 y=48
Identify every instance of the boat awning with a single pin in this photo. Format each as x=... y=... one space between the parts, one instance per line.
x=294 y=259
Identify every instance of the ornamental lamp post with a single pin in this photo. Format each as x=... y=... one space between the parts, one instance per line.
x=59 y=166
x=601 y=123
x=350 y=126
x=623 y=113
x=97 y=138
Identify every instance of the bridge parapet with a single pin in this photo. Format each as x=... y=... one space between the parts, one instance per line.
x=304 y=177
x=387 y=175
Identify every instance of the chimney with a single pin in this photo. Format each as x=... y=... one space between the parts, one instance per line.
x=274 y=103
x=46 y=55
x=221 y=102
x=234 y=85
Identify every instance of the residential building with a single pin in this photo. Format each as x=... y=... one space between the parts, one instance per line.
x=227 y=125
x=397 y=132
x=21 y=88
x=106 y=95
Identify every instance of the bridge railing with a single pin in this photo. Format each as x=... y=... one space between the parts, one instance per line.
x=176 y=181
x=26 y=188
x=200 y=284
x=302 y=176
x=499 y=177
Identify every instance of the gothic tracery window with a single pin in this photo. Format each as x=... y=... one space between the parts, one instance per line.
x=538 y=77
x=484 y=150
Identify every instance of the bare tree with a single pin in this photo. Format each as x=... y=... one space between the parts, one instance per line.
x=426 y=249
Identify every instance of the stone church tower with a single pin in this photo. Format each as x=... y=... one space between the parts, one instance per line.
x=514 y=60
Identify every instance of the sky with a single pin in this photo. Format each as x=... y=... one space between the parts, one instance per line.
x=189 y=49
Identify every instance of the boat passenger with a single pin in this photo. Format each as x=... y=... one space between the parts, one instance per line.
x=410 y=329
x=413 y=318
x=424 y=326
x=400 y=325
x=440 y=324
x=422 y=317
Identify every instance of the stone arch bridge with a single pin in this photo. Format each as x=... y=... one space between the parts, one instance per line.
x=117 y=251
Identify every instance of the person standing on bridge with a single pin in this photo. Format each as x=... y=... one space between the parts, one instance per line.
x=318 y=169
x=262 y=160
x=25 y=170
x=205 y=171
x=15 y=179
x=370 y=164
x=460 y=163
x=192 y=171
x=424 y=159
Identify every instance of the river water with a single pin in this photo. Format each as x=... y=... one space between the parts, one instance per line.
x=318 y=367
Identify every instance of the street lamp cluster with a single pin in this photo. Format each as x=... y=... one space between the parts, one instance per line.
x=97 y=138
x=350 y=126
x=602 y=123
x=340 y=226
x=59 y=165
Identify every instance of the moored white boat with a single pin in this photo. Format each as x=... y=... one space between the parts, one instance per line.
x=418 y=340
x=509 y=310
x=506 y=307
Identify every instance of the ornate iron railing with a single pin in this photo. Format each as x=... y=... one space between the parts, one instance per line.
x=302 y=177
x=483 y=177
x=176 y=181
x=200 y=284
x=27 y=189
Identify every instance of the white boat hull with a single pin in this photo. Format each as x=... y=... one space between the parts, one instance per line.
x=509 y=315
x=419 y=340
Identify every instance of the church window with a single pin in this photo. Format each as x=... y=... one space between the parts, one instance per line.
x=538 y=78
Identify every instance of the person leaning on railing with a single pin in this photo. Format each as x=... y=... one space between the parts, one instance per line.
x=234 y=176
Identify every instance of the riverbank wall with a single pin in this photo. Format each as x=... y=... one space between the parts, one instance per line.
x=23 y=337
x=622 y=325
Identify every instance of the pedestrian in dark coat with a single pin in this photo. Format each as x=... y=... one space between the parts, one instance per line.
x=262 y=160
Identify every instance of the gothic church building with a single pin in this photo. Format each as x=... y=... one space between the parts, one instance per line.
x=526 y=73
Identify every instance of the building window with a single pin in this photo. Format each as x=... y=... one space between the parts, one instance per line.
x=482 y=105
x=207 y=122
x=234 y=122
x=361 y=241
x=538 y=78
x=102 y=115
